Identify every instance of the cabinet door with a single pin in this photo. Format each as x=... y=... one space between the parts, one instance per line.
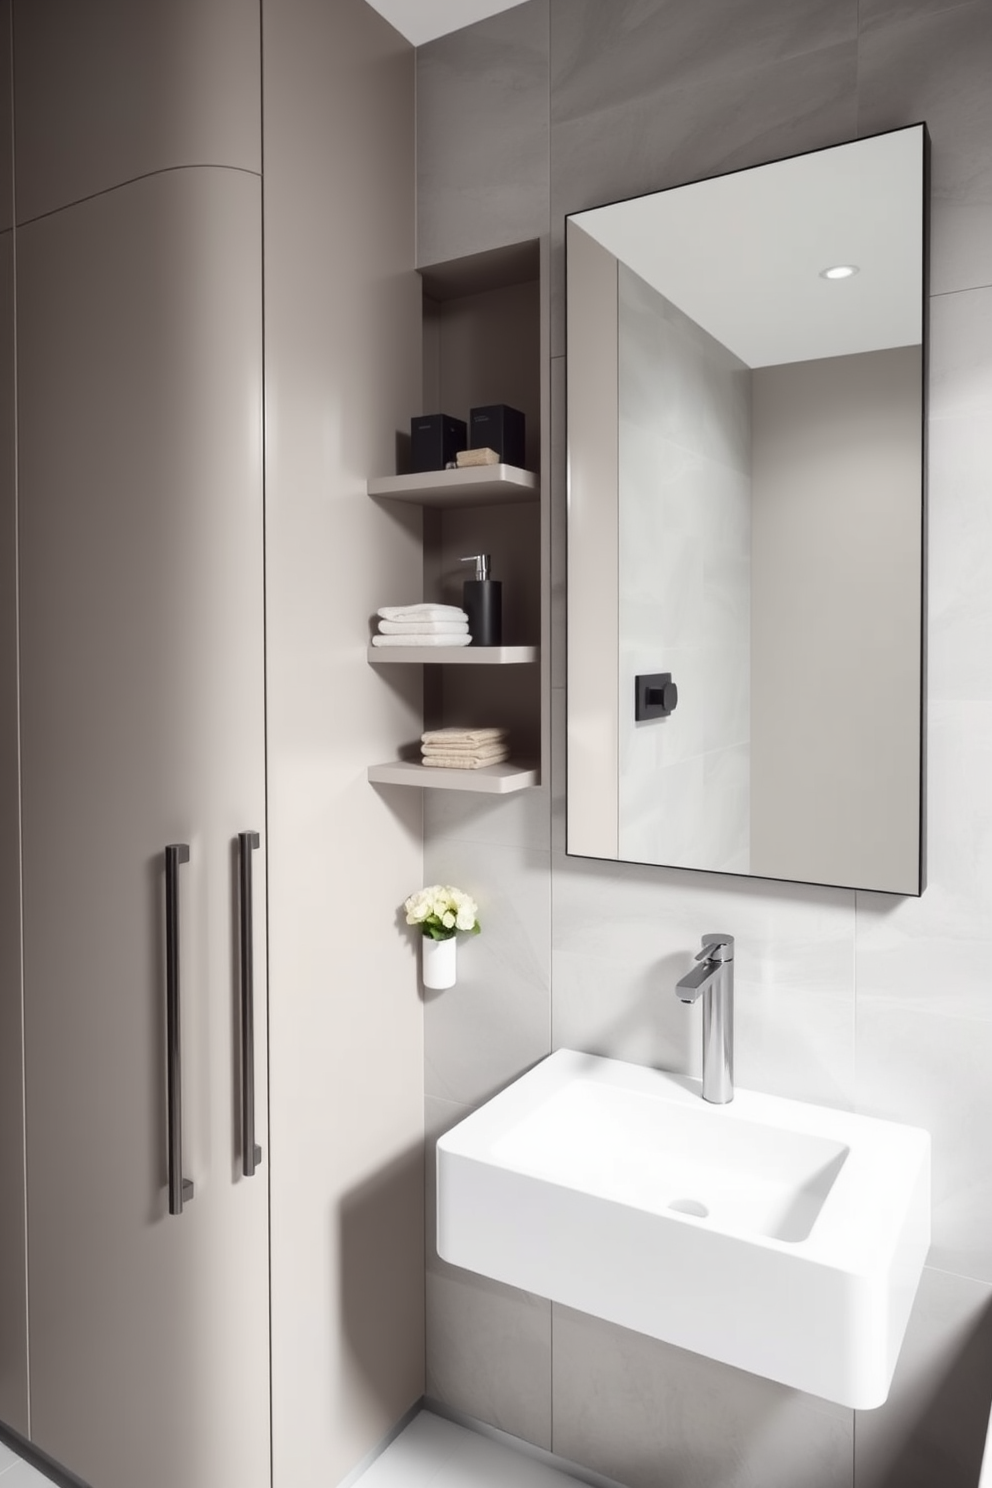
x=139 y=366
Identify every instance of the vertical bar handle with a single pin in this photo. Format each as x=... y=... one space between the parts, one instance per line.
x=180 y=1188
x=252 y=1153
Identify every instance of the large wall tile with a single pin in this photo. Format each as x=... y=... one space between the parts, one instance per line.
x=932 y=953
x=924 y=1032
x=496 y=1022
x=930 y=1069
x=931 y=1430
x=654 y=1416
x=482 y=135
x=623 y=935
x=603 y=54
x=960 y=519
x=874 y=12
x=148 y=86
x=934 y=66
x=488 y=1345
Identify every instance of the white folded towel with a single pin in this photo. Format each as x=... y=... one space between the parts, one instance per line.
x=422 y=612
x=463 y=736
x=421 y=640
x=423 y=627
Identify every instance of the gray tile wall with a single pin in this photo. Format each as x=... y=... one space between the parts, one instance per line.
x=850 y=999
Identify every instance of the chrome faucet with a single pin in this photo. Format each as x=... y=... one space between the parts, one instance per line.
x=713 y=980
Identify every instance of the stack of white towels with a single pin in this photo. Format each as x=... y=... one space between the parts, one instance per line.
x=464 y=748
x=422 y=625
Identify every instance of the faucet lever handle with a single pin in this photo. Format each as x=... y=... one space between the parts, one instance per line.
x=717 y=948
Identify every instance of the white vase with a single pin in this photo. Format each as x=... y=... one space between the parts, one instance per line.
x=438 y=963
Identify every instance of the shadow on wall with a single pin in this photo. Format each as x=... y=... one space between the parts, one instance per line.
x=381 y=1273
x=950 y=1424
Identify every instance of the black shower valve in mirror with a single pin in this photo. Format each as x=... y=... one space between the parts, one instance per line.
x=655 y=696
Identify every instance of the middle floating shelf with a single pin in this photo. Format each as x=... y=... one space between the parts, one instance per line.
x=480 y=485
x=455 y=655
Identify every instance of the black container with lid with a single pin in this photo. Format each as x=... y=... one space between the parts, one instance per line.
x=482 y=602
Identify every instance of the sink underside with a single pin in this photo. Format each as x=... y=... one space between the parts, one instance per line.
x=780 y=1237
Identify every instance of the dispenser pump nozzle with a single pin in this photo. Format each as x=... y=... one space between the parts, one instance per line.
x=481 y=561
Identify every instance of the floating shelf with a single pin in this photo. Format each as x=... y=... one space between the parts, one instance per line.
x=490 y=780
x=481 y=485
x=455 y=655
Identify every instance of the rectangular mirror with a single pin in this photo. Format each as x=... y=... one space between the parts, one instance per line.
x=746 y=367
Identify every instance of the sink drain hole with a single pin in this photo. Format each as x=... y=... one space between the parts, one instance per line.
x=690 y=1206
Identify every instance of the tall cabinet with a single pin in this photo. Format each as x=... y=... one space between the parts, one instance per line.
x=187 y=564
x=142 y=1355
x=142 y=725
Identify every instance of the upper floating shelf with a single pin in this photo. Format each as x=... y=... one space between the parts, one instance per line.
x=480 y=485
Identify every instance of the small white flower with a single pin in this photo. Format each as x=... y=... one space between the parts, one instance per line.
x=448 y=920
x=465 y=918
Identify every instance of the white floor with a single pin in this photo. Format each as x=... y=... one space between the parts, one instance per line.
x=434 y=1453
x=17 y=1474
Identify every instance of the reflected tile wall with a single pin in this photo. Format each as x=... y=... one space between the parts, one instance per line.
x=848 y=999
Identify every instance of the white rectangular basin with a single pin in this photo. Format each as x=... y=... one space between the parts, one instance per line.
x=781 y=1237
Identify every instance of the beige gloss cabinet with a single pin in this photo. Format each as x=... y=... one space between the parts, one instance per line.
x=142 y=724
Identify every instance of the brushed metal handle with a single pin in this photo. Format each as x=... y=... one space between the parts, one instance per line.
x=252 y=1153
x=180 y=1188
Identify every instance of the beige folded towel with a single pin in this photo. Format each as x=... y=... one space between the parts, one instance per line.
x=466 y=751
x=422 y=612
x=465 y=459
x=464 y=761
x=463 y=736
x=423 y=627
x=490 y=748
x=421 y=640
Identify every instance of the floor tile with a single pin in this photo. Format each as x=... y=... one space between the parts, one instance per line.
x=433 y=1451
x=7 y=1458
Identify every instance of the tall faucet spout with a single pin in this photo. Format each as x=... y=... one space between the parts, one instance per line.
x=712 y=979
x=695 y=982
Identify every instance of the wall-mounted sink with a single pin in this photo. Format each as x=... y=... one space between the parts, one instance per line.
x=781 y=1237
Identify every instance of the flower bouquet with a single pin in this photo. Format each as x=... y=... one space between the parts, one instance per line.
x=441 y=911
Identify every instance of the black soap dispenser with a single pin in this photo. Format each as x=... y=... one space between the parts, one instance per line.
x=483 y=603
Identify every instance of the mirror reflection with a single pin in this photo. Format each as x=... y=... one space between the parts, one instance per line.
x=745 y=467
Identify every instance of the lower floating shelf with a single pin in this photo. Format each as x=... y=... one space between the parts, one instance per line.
x=455 y=655
x=490 y=780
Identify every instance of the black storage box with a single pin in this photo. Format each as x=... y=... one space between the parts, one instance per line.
x=435 y=439
x=499 y=428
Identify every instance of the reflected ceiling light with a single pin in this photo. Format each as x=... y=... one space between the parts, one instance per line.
x=839 y=271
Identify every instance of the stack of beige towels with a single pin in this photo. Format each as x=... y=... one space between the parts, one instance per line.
x=464 y=748
x=422 y=625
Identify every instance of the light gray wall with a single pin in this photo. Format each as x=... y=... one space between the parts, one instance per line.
x=835 y=620
x=342 y=375
x=684 y=404
x=851 y=999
